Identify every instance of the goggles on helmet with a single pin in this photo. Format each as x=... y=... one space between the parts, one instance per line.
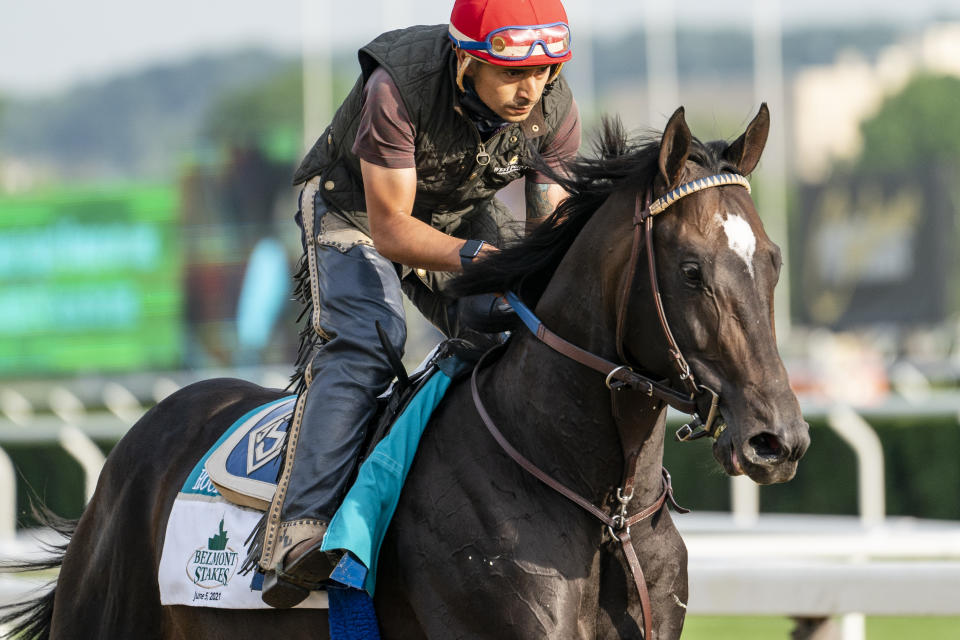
x=519 y=43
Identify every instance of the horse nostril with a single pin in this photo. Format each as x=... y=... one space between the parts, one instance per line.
x=766 y=448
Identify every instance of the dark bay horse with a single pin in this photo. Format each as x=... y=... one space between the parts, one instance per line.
x=479 y=548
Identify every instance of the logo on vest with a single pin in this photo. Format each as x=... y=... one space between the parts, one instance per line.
x=265 y=443
x=512 y=167
x=214 y=565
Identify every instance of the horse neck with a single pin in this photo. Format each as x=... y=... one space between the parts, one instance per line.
x=561 y=416
x=559 y=412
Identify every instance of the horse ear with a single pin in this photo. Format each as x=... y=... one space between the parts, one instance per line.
x=745 y=151
x=674 y=147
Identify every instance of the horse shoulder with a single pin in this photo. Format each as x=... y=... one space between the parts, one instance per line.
x=467 y=541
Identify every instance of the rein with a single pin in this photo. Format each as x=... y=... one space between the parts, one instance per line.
x=620 y=377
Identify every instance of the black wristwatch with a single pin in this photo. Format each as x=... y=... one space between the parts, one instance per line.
x=469 y=251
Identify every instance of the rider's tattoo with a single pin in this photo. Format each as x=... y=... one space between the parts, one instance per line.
x=538 y=201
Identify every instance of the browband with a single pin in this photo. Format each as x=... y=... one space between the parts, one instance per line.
x=719 y=180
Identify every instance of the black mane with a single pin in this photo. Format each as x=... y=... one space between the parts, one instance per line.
x=527 y=266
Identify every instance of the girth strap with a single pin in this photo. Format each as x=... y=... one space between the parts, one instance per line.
x=617 y=525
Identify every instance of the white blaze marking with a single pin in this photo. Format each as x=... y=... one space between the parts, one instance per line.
x=740 y=237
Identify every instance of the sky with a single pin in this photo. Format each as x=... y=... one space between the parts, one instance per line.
x=49 y=45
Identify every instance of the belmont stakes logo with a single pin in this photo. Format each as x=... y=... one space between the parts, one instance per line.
x=213 y=566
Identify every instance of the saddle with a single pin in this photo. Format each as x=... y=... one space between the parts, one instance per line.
x=224 y=498
x=245 y=463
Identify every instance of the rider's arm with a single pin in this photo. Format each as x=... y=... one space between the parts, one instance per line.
x=397 y=235
x=543 y=195
x=385 y=144
x=542 y=199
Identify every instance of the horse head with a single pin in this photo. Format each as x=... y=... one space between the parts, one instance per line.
x=704 y=322
x=717 y=269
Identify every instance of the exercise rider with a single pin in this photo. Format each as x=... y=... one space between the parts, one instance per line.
x=397 y=194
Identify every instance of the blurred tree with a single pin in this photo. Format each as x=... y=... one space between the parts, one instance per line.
x=267 y=115
x=3 y=108
x=916 y=127
x=140 y=124
x=915 y=137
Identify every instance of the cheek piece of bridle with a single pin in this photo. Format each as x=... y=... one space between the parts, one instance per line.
x=699 y=401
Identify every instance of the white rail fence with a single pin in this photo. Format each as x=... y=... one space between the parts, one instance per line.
x=808 y=567
x=814 y=568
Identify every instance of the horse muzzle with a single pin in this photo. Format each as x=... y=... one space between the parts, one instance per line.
x=765 y=454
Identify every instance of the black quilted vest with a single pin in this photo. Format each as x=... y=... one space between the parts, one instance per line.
x=455 y=168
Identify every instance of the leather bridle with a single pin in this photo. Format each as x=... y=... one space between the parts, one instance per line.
x=699 y=401
x=706 y=400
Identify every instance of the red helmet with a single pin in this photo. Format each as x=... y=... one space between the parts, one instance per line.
x=512 y=33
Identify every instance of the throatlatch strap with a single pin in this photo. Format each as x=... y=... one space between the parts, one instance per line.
x=629 y=275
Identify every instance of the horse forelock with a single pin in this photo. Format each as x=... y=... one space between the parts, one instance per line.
x=618 y=162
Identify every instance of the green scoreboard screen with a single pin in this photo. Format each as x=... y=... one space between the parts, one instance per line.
x=90 y=280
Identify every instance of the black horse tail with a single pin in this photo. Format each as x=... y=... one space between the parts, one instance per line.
x=31 y=619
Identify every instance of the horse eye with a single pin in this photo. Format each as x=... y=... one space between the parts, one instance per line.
x=691 y=273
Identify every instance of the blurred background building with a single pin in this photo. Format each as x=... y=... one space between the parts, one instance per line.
x=146 y=211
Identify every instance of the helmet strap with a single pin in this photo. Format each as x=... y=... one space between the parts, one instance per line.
x=462 y=70
x=556 y=72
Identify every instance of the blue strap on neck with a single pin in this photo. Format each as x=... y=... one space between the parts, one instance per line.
x=532 y=321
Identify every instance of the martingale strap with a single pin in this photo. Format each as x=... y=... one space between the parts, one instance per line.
x=618 y=524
